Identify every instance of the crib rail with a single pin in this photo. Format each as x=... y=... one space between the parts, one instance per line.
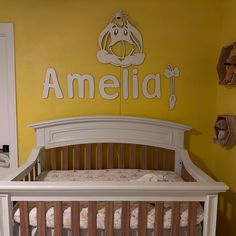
x=30 y=170
x=103 y=156
x=92 y=157
x=41 y=192
x=198 y=188
x=74 y=225
x=95 y=156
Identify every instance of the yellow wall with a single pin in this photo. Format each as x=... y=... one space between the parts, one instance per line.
x=64 y=35
x=188 y=34
x=224 y=159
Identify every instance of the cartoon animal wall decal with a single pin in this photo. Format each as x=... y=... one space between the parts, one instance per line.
x=120 y=32
x=172 y=73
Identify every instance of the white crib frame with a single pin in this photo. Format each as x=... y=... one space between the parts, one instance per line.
x=115 y=129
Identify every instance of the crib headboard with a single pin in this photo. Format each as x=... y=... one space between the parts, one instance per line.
x=110 y=129
x=150 y=144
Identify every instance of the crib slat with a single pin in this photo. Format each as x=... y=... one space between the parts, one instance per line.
x=167 y=154
x=121 y=161
x=75 y=218
x=88 y=152
x=156 y=159
x=58 y=220
x=32 y=175
x=110 y=155
x=53 y=154
x=143 y=160
x=159 y=219
x=77 y=157
x=65 y=158
x=151 y=159
x=99 y=156
x=142 y=219
x=36 y=170
x=175 y=220
x=132 y=156
x=125 y=219
x=192 y=219
x=109 y=218
x=29 y=177
x=92 y=218
x=41 y=218
x=26 y=178
x=165 y=159
x=24 y=218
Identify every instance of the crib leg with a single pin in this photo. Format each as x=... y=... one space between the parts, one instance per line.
x=210 y=214
x=6 y=223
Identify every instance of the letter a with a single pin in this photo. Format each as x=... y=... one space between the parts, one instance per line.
x=157 y=86
x=51 y=74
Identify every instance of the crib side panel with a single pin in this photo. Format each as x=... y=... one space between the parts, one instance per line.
x=109 y=217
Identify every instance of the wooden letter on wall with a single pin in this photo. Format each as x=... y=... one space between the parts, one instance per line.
x=81 y=83
x=103 y=85
x=157 y=90
x=51 y=74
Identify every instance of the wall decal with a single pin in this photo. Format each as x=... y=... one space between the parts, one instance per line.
x=120 y=32
x=121 y=45
x=110 y=87
x=51 y=76
x=172 y=73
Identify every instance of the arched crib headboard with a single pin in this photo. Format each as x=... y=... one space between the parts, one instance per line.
x=114 y=130
x=107 y=129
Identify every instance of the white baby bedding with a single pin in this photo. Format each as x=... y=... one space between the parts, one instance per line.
x=111 y=175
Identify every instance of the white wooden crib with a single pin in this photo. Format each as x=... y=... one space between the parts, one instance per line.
x=109 y=142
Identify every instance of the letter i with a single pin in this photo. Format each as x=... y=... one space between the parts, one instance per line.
x=125 y=84
x=135 y=83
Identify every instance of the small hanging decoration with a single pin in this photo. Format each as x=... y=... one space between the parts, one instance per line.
x=172 y=73
x=226 y=66
x=225 y=130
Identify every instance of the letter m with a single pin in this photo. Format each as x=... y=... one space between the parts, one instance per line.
x=81 y=84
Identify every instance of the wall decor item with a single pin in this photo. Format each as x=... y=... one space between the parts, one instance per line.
x=226 y=66
x=120 y=44
x=120 y=32
x=225 y=130
x=172 y=73
x=118 y=86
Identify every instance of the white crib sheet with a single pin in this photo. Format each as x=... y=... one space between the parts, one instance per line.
x=111 y=175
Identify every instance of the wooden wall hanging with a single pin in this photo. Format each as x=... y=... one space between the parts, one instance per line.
x=226 y=66
x=172 y=73
x=225 y=130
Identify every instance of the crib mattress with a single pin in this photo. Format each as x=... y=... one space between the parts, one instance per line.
x=111 y=175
